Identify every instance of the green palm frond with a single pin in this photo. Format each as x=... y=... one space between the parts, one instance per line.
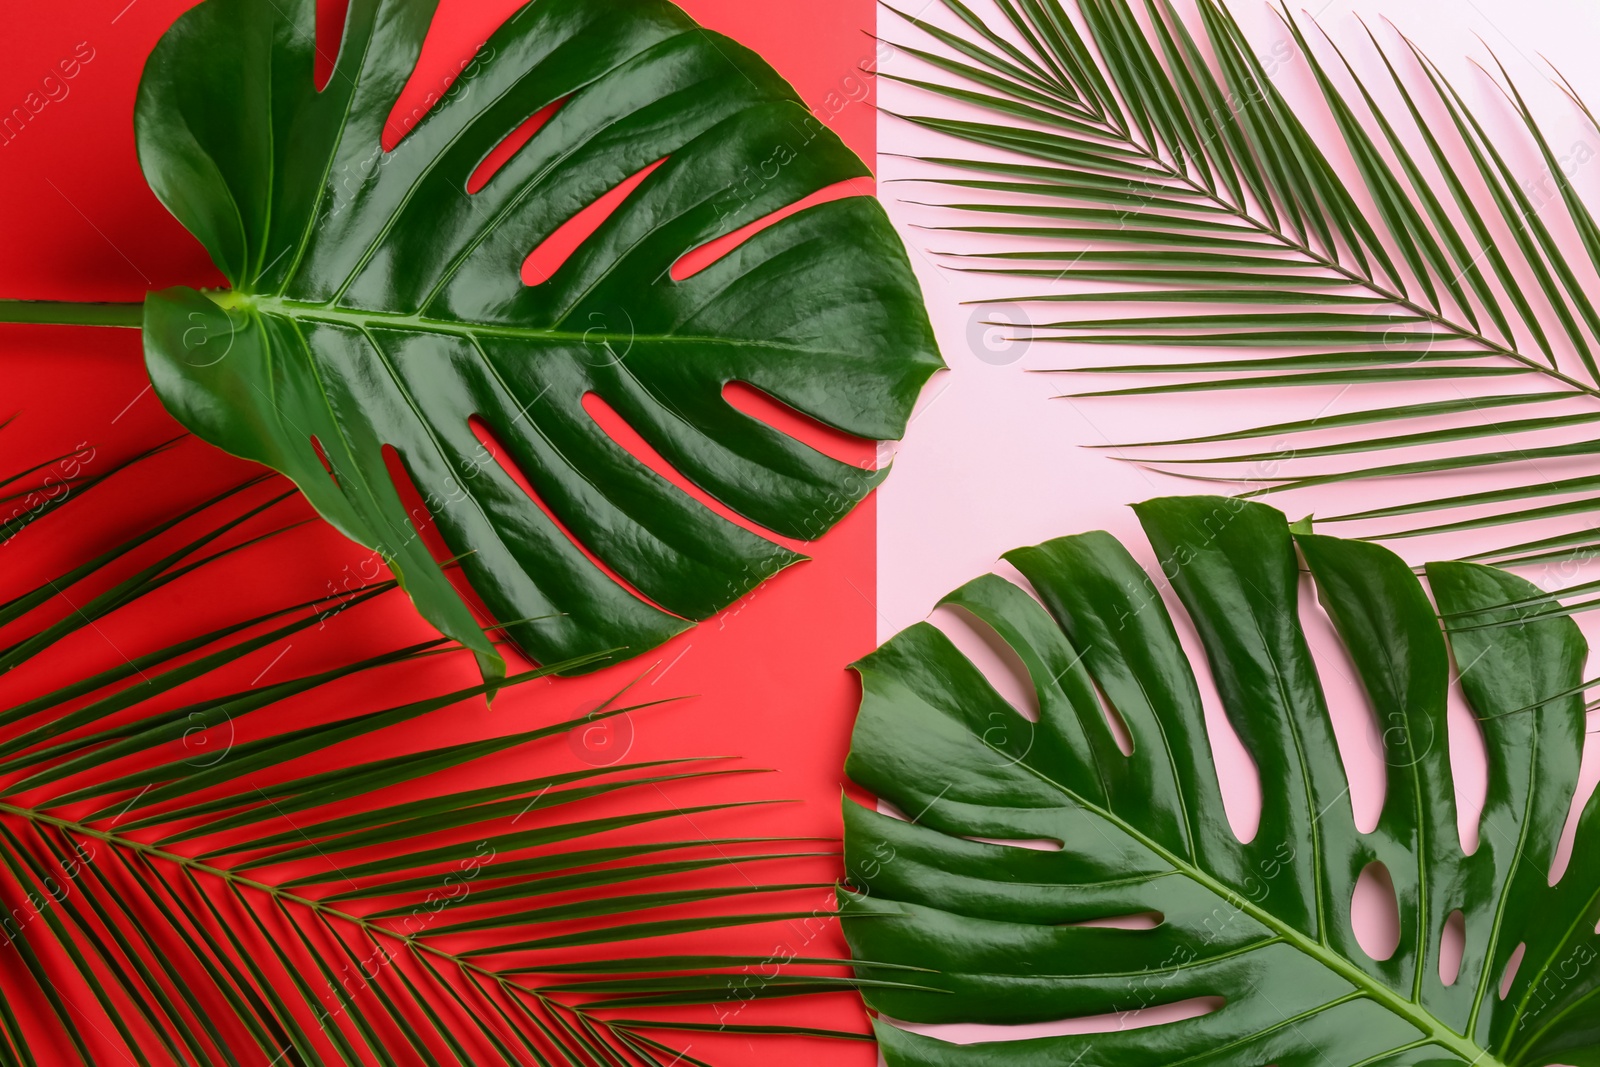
x=1148 y=162
x=193 y=872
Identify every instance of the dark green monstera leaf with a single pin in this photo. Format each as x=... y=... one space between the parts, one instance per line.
x=1263 y=928
x=377 y=303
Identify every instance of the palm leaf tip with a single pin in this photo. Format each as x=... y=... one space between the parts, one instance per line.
x=1456 y=272
x=230 y=910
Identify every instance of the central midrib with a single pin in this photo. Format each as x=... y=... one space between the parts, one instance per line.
x=1412 y=1012
x=277 y=893
x=304 y=311
x=1356 y=278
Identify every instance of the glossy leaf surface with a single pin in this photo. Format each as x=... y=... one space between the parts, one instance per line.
x=1260 y=932
x=378 y=303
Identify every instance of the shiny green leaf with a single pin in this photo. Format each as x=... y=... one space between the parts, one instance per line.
x=1259 y=932
x=376 y=303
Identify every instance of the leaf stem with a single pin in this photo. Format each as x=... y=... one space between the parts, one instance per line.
x=277 y=893
x=71 y=313
x=1303 y=248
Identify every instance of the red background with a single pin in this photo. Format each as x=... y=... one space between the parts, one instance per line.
x=767 y=680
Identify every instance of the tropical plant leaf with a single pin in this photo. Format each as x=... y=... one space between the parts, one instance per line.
x=192 y=874
x=1020 y=935
x=1148 y=164
x=377 y=303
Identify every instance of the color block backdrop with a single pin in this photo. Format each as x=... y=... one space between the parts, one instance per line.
x=997 y=456
x=766 y=682
x=991 y=461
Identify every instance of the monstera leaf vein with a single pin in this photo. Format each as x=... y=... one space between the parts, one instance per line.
x=377 y=303
x=1262 y=922
x=1317 y=949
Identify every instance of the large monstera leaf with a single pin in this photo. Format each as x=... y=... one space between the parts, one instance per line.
x=376 y=303
x=1264 y=927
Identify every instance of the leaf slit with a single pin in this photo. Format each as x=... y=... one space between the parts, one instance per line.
x=497 y=450
x=761 y=405
x=511 y=144
x=553 y=252
x=698 y=259
x=625 y=437
x=331 y=18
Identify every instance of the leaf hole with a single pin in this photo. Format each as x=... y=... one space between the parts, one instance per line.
x=1513 y=965
x=1469 y=764
x=837 y=445
x=698 y=259
x=513 y=142
x=996 y=660
x=625 y=437
x=331 y=18
x=496 y=450
x=1452 y=947
x=1375 y=912
x=554 y=251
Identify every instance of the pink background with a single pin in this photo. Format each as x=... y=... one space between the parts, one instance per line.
x=991 y=461
x=994 y=459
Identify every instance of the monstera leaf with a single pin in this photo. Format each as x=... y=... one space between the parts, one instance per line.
x=1263 y=928
x=377 y=302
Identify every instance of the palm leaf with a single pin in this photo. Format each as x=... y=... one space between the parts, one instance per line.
x=1255 y=937
x=1193 y=179
x=193 y=873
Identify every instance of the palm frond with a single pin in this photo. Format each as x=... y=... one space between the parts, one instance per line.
x=1148 y=161
x=194 y=871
